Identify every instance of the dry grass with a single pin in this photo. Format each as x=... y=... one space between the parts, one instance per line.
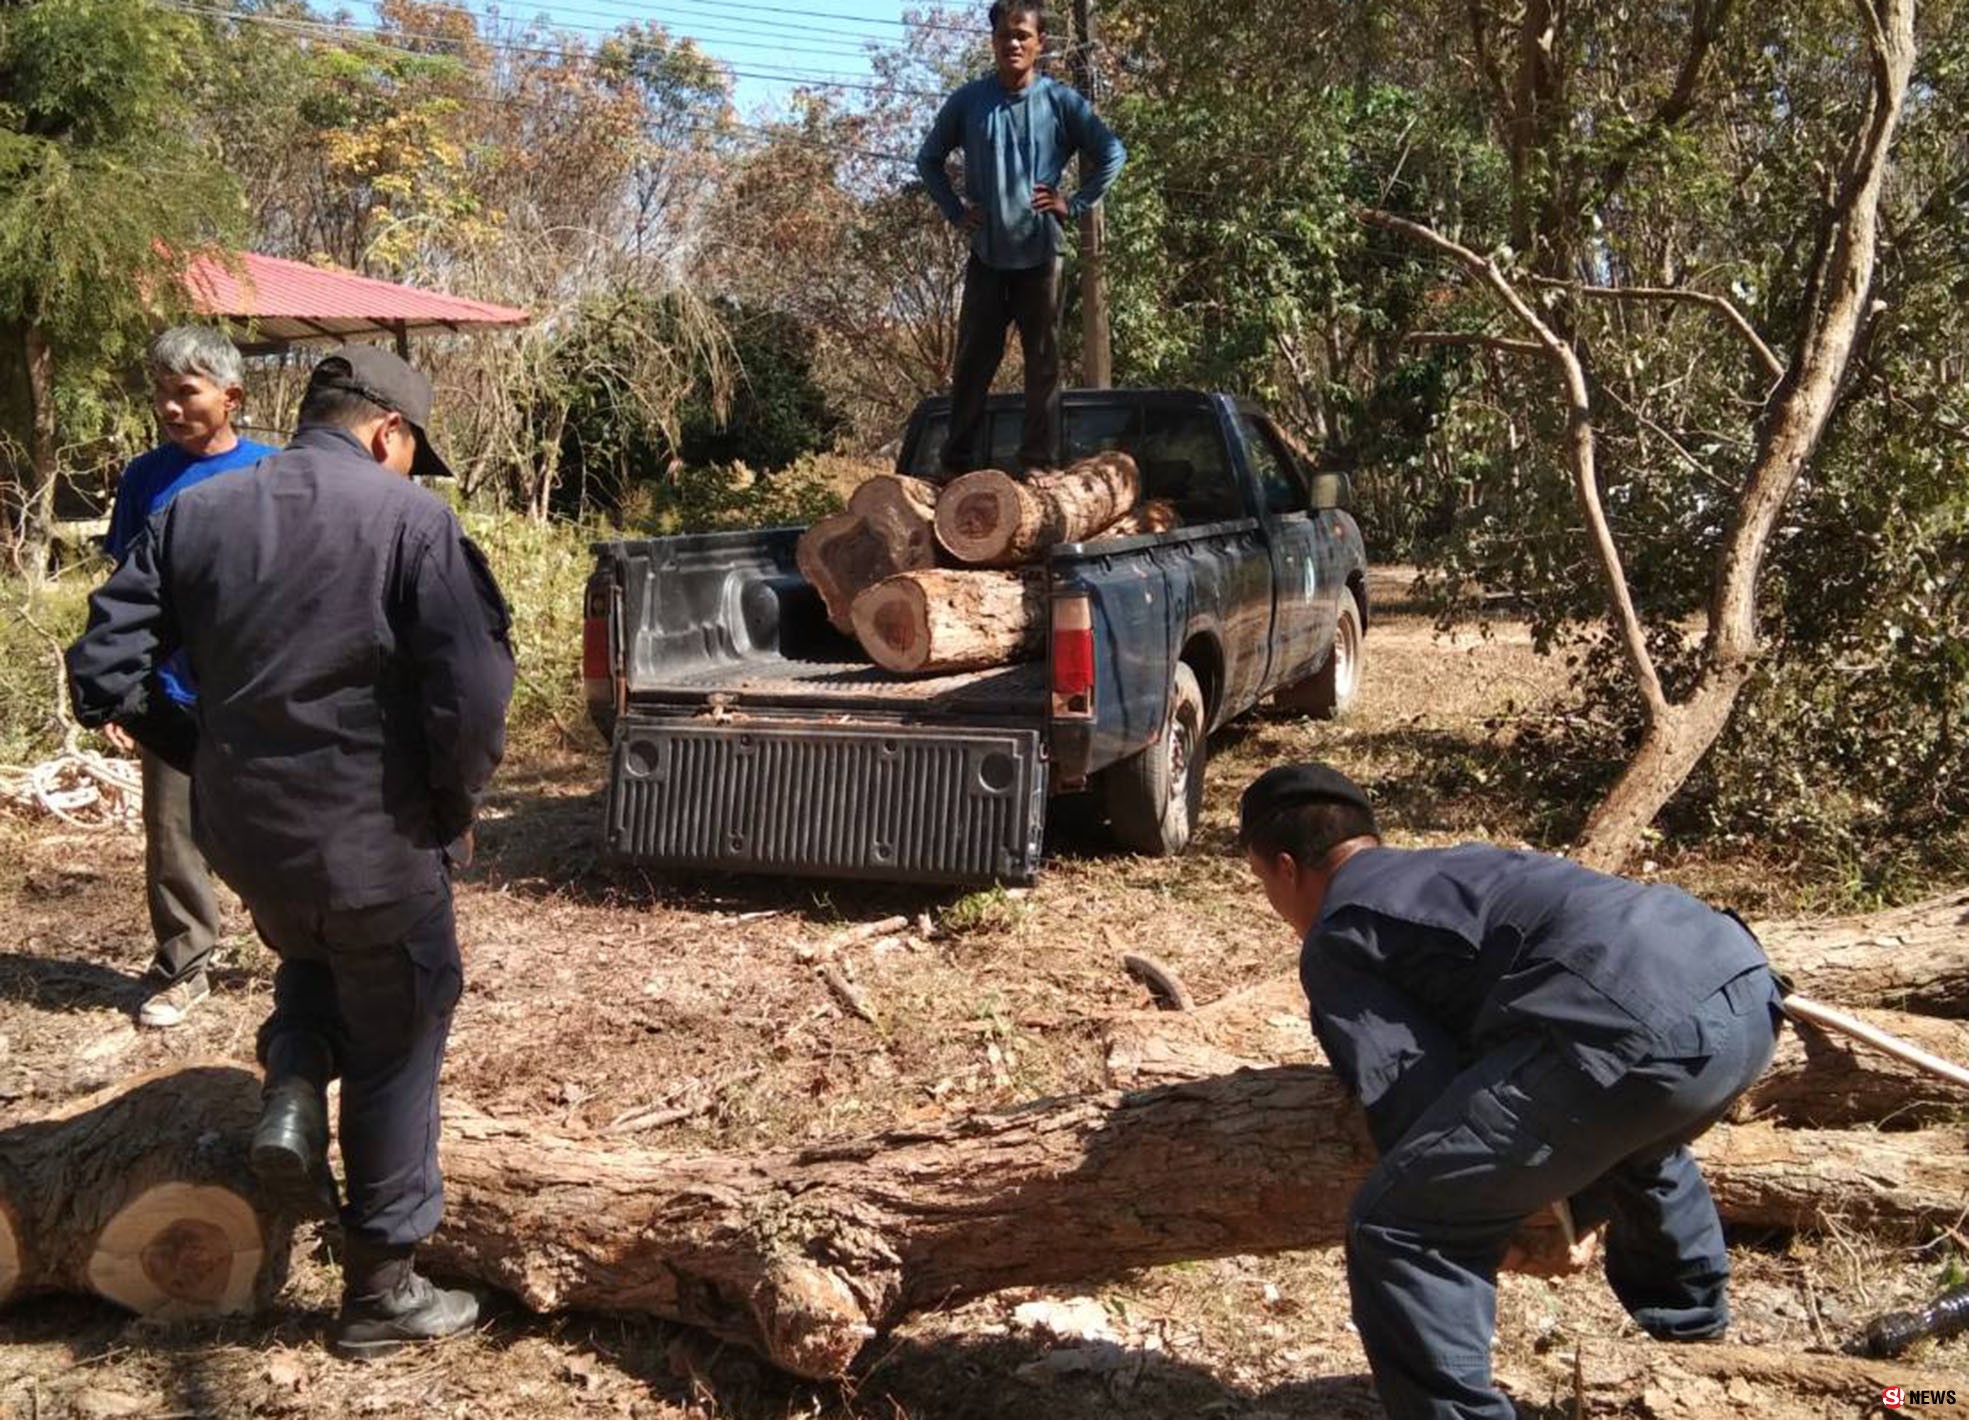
x=595 y=992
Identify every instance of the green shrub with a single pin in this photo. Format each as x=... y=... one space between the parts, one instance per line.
x=34 y=628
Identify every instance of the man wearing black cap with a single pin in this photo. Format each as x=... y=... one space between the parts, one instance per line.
x=351 y=652
x=1522 y=1032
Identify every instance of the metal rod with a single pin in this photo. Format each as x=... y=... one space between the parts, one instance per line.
x=1804 y=1008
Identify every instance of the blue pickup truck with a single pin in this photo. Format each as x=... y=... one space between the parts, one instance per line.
x=748 y=735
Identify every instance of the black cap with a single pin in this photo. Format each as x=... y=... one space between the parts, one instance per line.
x=387 y=382
x=1290 y=786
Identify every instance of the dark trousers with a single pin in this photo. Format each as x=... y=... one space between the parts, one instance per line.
x=1517 y=1130
x=184 y=910
x=377 y=987
x=994 y=299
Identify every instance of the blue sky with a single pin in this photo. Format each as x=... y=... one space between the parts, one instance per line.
x=773 y=45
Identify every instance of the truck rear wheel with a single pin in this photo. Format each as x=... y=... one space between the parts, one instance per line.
x=1330 y=691
x=1155 y=798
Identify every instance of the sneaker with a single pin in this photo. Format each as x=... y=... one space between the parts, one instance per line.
x=170 y=1006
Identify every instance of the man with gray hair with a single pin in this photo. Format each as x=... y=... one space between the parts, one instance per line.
x=196 y=389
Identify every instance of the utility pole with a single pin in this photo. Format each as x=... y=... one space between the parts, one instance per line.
x=1096 y=358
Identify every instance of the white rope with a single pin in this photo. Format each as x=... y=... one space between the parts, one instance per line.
x=81 y=788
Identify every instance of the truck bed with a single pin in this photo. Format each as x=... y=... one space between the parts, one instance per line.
x=724 y=621
x=853 y=685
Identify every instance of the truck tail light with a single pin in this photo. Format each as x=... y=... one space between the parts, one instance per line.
x=1073 y=657
x=598 y=667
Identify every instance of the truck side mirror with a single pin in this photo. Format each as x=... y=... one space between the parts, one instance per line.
x=1332 y=490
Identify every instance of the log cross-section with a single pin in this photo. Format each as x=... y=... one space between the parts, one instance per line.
x=990 y=519
x=945 y=620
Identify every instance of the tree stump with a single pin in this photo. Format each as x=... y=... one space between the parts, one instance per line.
x=143 y=1195
x=939 y=621
x=990 y=519
x=885 y=529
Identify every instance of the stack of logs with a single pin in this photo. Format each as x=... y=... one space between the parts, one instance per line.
x=934 y=579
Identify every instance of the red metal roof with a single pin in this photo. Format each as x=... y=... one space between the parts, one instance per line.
x=285 y=301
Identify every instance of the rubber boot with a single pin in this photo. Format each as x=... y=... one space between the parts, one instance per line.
x=387 y=1304
x=290 y=1143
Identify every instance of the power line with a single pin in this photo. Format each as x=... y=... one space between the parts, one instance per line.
x=753 y=7
x=631 y=11
x=784 y=74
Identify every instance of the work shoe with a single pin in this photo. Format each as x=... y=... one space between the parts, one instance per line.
x=170 y=1005
x=387 y=1305
x=290 y=1148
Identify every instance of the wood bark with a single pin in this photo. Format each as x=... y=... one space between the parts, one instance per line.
x=990 y=519
x=806 y=1254
x=885 y=529
x=1156 y=515
x=142 y=1195
x=1816 y=1079
x=938 y=621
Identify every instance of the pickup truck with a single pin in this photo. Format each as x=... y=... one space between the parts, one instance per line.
x=747 y=735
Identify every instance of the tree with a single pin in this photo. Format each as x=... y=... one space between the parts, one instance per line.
x=1830 y=313
x=103 y=195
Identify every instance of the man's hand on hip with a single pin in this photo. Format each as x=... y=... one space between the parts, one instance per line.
x=1047 y=199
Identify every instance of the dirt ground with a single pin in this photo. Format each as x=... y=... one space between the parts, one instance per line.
x=594 y=994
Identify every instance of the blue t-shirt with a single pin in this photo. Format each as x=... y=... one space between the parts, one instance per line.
x=149 y=482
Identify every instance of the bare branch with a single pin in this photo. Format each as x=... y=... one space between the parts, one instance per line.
x=1722 y=305
x=1464 y=337
x=1580 y=445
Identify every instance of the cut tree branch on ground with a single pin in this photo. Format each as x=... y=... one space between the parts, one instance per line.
x=806 y=1254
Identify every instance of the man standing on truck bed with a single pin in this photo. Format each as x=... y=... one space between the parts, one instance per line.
x=1521 y=1032
x=1017 y=129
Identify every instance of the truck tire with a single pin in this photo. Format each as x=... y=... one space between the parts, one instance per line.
x=1155 y=798
x=1330 y=691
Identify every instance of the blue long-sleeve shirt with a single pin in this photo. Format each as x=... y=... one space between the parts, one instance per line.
x=149 y=482
x=1012 y=143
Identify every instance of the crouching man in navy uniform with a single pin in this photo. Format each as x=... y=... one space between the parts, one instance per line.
x=352 y=655
x=1522 y=1032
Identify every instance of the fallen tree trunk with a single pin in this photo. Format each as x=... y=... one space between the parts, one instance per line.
x=142 y=1195
x=990 y=519
x=941 y=621
x=1913 y=958
x=806 y=1254
x=885 y=529
x=1817 y=1079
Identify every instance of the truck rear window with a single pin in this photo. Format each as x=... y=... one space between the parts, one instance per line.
x=1180 y=450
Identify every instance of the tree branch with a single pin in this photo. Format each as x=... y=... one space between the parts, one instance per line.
x=1462 y=337
x=1722 y=305
x=1580 y=445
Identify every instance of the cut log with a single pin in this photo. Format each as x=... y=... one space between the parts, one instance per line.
x=939 y=621
x=1816 y=1079
x=885 y=529
x=806 y=1254
x=1913 y=958
x=1157 y=515
x=142 y=1195
x=990 y=519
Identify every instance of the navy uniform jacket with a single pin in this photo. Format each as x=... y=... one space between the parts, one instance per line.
x=352 y=656
x=1421 y=960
